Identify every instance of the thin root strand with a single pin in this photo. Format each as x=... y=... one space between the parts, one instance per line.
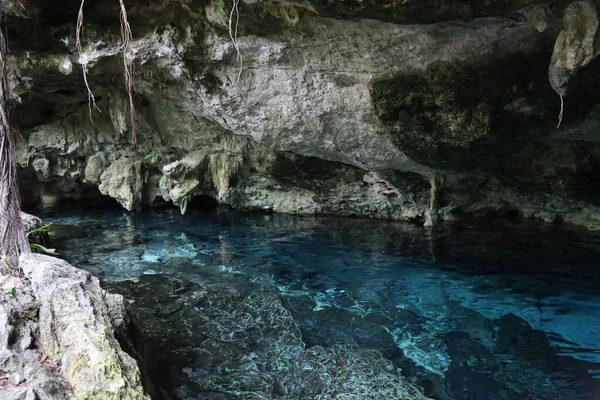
x=233 y=35
x=78 y=36
x=560 y=115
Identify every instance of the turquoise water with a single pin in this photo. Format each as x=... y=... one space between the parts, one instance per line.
x=467 y=313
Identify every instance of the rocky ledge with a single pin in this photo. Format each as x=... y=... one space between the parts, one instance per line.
x=57 y=337
x=418 y=110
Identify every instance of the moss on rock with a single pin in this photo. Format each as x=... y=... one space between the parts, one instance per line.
x=437 y=116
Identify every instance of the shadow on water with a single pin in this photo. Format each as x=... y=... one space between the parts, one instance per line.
x=466 y=312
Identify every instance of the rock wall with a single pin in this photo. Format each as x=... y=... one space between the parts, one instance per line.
x=315 y=107
x=24 y=371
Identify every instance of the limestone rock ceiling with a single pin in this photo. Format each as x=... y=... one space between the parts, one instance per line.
x=422 y=11
x=458 y=89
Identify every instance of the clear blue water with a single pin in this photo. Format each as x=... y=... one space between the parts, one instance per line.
x=469 y=313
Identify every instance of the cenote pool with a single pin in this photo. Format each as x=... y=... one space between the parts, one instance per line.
x=231 y=305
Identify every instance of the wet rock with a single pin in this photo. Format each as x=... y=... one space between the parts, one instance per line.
x=31 y=223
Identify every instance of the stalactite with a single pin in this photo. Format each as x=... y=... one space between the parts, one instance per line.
x=222 y=167
x=436 y=181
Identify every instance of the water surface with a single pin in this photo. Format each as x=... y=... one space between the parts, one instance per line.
x=468 y=313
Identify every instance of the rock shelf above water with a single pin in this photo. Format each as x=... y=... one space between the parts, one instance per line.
x=340 y=108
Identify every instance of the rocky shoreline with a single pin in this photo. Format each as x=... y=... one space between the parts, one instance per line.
x=57 y=336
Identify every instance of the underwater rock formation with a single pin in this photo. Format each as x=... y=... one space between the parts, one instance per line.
x=230 y=341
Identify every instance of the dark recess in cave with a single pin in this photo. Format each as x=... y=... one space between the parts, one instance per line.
x=203 y=202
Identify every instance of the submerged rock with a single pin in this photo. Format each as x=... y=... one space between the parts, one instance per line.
x=349 y=372
x=233 y=339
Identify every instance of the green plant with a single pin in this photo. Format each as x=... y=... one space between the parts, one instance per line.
x=41 y=229
x=39 y=247
x=12 y=292
x=43 y=249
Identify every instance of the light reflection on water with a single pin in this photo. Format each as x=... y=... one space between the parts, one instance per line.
x=496 y=313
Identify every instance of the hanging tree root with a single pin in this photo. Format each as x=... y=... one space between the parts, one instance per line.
x=78 y=34
x=560 y=115
x=13 y=240
x=126 y=37
x=233 y=34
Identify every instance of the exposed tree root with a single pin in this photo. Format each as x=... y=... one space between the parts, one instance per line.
x=13 y=240
x=126 y=37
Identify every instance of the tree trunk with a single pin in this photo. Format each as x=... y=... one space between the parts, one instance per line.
x=13 y=240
